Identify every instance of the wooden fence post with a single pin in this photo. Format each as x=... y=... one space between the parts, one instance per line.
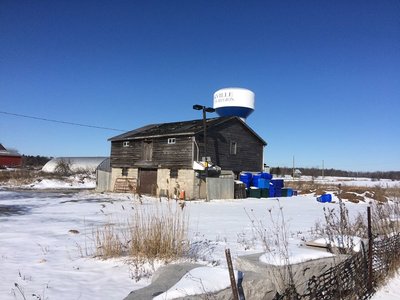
x=370 y=250
x=231 y=274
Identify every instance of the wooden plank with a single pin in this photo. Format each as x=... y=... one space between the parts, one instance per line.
x=235 y=294
x=125 y=185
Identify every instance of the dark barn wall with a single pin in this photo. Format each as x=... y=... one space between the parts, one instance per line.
x=249 y=154
x=164 y=155
x=178 y=155
x=10 y=161
x=248 y=157
x=125 y=156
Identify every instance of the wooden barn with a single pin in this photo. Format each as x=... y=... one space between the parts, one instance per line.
x=9 y=158
x=164 y=159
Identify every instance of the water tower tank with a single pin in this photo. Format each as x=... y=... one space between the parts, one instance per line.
x=234 y=102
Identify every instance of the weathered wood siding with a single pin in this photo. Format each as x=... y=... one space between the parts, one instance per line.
x=178 y=155
x=249 y=151
x=125 y=156
x=248 y=157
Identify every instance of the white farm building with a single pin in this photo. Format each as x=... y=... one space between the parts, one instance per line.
x=76 y=164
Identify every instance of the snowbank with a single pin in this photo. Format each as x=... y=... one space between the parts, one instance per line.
x=71 y=182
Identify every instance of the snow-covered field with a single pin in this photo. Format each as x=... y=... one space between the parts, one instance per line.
x=349 y=181
x=47 y=242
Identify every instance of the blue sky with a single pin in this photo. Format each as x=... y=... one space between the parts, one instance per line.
x=326 y=74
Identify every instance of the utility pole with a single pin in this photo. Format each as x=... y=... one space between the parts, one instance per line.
x=205 y=137
x=293 y=168
x=205 y=110
x=322 y=169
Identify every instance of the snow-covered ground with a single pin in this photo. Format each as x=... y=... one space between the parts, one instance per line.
x=391 y=291
x=71 y=182
x=349 y=181
x=47 y=237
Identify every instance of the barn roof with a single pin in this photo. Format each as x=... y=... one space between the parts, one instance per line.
x=8 y=152
x=177 y=128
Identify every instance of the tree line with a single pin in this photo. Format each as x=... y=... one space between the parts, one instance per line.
x=316 y=172
x=30 y=161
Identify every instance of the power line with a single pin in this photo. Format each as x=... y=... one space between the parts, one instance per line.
x=58 y=121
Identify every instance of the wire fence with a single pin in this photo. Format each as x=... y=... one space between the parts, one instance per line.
x=355 y=277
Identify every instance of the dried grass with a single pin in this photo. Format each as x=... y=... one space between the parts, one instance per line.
x=385 y=222
x=352 y=197
x=159 y=234
x=150 y=234
x=17 y=175
x=350 y=193
x=108 y=242
x=23 y=176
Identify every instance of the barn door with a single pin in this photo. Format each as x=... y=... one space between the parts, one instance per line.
x=148 y=150
x=148 y=181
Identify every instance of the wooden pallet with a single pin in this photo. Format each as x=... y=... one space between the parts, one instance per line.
x=125 y=185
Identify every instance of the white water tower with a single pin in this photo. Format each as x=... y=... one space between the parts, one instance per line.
x=234 y=102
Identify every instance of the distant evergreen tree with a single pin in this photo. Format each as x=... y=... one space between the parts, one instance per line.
x=315 y=172
x=276 y=171
x=30 y=161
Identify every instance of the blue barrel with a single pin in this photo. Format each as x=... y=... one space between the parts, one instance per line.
x=263 y=183
x=246 y=179
x=278 y=192
x=271 y=191
x=287 y=192
x=266 y=176
x=254 y=180
x=246 y=176
x=325 y=198
x=278 y=183
x=249 y=174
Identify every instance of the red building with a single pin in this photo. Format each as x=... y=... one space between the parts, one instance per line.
x=9 y=158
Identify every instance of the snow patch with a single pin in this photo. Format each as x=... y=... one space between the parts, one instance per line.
x=202 y=280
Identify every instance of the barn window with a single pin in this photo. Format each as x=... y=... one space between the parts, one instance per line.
x=233 y=148
x=171 y=141
x=125 y=144
x=173 y=173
